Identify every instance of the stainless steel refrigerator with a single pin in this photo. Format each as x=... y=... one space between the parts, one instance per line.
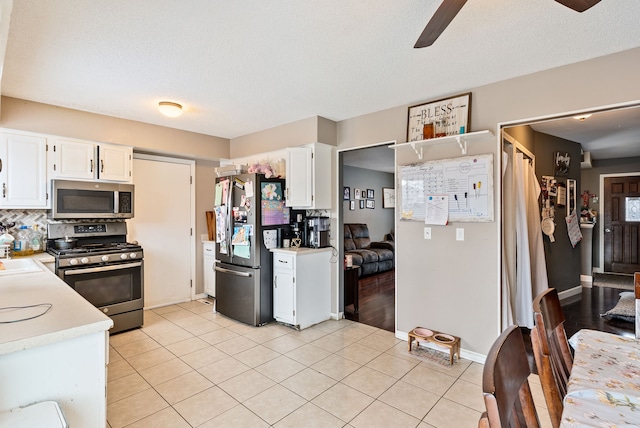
x=246 y=206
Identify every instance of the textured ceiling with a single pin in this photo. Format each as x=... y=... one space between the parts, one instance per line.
x=244 y=66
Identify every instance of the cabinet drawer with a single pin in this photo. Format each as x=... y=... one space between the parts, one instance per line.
x=283 y=261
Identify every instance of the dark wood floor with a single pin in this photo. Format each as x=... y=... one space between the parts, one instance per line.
x=377 y=307
x=583 y=311
x=377 y=301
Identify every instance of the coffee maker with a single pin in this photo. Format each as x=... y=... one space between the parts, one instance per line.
x=318 y=232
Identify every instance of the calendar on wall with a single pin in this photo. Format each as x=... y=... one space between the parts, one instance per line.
x=466 y=181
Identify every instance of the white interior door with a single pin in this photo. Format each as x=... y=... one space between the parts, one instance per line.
x=162 y=224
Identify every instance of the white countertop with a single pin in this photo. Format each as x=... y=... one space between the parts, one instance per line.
x=300 y=250
x=70 y=316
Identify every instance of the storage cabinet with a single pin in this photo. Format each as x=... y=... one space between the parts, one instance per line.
x=308 y=177
x=301 y=286
x=23 y=171
x=209 y=257
x=85 y=160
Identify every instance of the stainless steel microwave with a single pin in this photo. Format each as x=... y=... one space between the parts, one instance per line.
x=90 y=199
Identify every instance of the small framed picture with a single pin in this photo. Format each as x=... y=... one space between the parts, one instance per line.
x=369 y=193
x=388 y=197
x=361 y=204
x=352 y=205
x=371 y=204
x=356 y=193
x=346 y=193
x=561 y=163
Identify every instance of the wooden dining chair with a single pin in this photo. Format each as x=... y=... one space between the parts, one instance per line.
x=551 y=351
x=507 y=395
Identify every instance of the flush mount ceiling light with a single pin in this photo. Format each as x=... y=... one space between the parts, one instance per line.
x=582 y=117
x=169 y=108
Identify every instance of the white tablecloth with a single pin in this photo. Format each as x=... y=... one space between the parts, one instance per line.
x=604 y=387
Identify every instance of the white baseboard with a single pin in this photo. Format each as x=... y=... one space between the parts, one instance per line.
x=586 y=278
x=337 y=316
x=468 y=355
x=597 y=269
x=570 y=292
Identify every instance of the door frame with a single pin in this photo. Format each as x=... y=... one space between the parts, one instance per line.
x=340 y=224
x=192 y=209
x=600 y=268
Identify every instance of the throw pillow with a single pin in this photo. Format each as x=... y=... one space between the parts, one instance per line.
x=625 y=309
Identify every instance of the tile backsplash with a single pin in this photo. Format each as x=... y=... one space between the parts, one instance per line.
x=24 y=218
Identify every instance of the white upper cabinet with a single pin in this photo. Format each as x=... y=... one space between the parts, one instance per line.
x=308 y=178
x=86 y=160
x=23 y=171
x=115 y=162
x=299 y=178
x=72 y=159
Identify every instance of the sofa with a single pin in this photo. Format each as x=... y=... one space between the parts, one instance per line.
x=372 y=257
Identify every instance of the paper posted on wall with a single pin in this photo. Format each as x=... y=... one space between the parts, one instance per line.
x=573 y=228
x=437 y=210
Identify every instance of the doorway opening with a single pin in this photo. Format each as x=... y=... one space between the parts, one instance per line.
x=367 y=227
x=599 y=142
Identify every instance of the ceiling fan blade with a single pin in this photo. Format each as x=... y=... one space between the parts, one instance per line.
x=579 y=5
x=440 y=20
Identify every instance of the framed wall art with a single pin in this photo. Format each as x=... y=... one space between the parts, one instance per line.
x=369 y=193
x=352 y=205
x=371 y=204
x=440 y=118
x=561 y=162
x=388 y=197
x=356 y=193
x=361 y=204
x=346 y=193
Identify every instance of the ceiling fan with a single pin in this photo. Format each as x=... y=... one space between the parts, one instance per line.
x=450 y=8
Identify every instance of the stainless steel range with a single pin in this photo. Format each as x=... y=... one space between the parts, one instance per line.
x=102 y=267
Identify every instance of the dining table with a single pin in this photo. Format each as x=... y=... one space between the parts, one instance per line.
x=604 y=385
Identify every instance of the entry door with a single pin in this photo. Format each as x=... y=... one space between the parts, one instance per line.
x=162 y=225
x=622 y=224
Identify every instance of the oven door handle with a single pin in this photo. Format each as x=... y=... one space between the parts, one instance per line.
x=232 y=272
x=69 y=272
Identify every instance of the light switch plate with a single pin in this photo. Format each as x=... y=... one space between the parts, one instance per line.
x=459 y=234
x=427 y=233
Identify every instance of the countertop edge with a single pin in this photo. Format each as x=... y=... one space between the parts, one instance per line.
x=54 y=337
x=300 y=250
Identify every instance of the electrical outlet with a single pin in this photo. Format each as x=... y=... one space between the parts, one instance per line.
x=459 y=234
x=427 y=233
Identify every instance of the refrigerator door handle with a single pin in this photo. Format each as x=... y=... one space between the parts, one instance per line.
x=232 y=272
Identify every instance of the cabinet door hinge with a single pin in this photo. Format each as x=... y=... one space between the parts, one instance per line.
x=190 y=179
x=191 y=283
x=294 y=312
x=47 y=196
x=190 y=231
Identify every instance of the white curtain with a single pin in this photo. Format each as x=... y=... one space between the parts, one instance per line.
x=508 y=241
x=531 y=270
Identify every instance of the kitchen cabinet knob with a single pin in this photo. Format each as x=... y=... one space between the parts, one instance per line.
x=91 y=165
x=101 y=165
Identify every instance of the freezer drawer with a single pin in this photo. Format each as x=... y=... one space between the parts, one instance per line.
x=239 y=294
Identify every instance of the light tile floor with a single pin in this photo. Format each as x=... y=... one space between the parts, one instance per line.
x=190 y=367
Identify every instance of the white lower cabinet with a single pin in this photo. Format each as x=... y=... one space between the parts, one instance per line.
x=209 y=257
x=301 y=286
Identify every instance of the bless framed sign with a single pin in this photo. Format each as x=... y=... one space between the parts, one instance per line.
x=450 y=116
